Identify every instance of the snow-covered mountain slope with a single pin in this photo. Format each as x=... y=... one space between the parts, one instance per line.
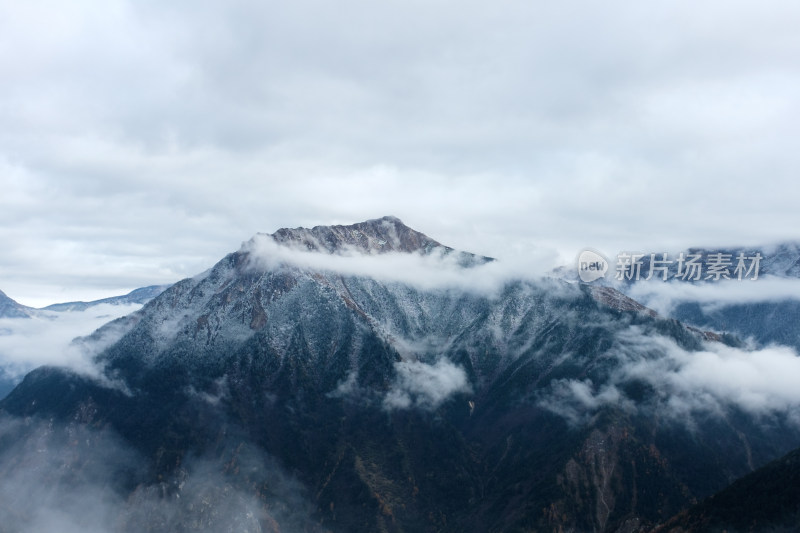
x=406 y=404
x=330 y=315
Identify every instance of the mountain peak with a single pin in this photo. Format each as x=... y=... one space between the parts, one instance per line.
x=375 y=236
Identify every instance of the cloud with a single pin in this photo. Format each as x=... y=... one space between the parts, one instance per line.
x=577 y=401
x=51 y=481
x=46 y=339
x=348 y=387
x=416 y=385
x=761 y=382
x=713 y=380
x=425 y=386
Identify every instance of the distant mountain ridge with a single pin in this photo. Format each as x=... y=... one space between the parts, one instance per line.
x=136 y=296
x=9 y=308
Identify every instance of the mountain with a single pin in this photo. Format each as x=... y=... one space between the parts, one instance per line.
x=309 y=372
x=137 y=296
x=771 y=319
x=11 y=309
x=767 y=500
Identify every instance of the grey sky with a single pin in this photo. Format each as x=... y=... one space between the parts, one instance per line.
x=140 y=141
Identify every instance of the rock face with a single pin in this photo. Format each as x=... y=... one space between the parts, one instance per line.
x=378 y=236
x=387 y=234
x=395 y=407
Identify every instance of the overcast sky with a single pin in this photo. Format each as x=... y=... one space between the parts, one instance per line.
x=141 y=141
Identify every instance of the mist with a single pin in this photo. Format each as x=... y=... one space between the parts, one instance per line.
x=70 y=478
x=46 y=339
x=663 y=297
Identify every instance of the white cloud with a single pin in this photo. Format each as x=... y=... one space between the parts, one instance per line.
x=46 y=339
x=427 y=272
x=763 y=382
x=664 y=296
x=425 y=386
x=577 y=401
